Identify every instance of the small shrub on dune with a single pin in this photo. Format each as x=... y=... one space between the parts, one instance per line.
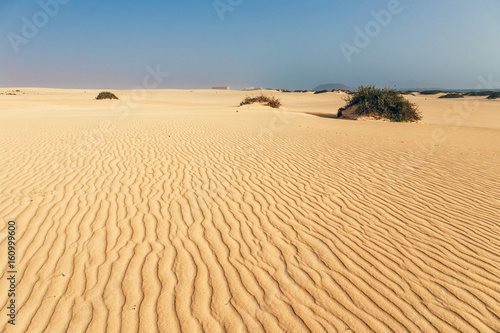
x=452 y=95
x=261 y=99
x=384 y=103
x=247 y=100
x=106 y=95
x=274 y=103
x=320 y=92
x=270 y=101
x=494 y=95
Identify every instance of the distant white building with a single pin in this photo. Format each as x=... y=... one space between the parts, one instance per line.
x=220 y=88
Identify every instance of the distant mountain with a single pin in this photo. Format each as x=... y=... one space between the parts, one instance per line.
x=331 y=86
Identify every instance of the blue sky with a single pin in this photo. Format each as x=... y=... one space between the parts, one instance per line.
x=281 y=44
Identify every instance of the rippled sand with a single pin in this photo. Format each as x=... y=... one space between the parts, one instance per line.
x=180 y=211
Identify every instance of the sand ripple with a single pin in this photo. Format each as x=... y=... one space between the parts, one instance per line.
x=169 y=223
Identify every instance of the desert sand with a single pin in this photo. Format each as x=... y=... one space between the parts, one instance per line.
x=179 y=211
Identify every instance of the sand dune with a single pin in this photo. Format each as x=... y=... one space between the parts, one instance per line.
x=183 y=212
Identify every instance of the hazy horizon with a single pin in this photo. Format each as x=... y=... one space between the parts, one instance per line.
x=288 y=45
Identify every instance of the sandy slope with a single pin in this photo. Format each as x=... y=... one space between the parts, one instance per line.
x=177 y=213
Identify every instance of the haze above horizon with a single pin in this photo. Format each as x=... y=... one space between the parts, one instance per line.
x=280 y=44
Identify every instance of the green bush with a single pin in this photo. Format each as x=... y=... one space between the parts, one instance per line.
x=384 y=103
x=494 y=95
x=106 y=95
x=274 y=103
x=269 y=101
x=320 y=92
x=490 y=93
x=452 y=95
x=430 y=92
x=479 y=93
